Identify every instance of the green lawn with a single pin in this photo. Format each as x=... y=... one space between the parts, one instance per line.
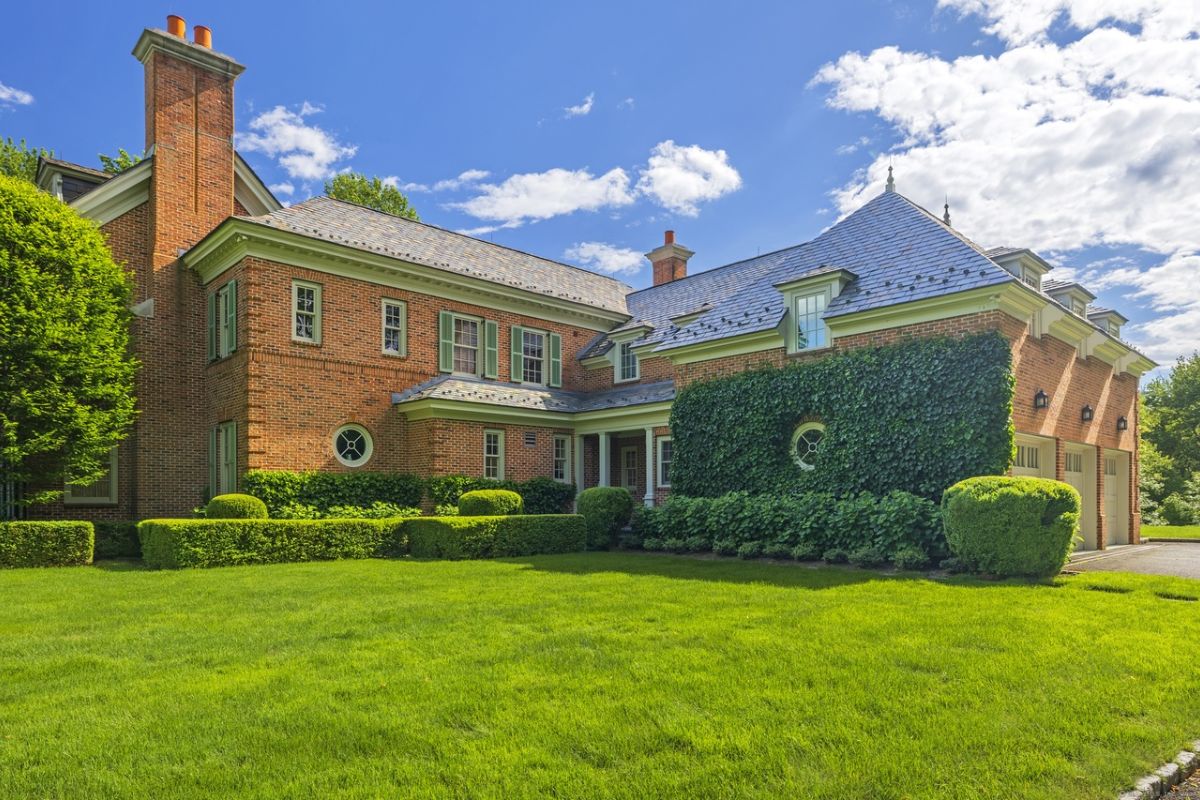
x=597 y=675
x=1171 y=531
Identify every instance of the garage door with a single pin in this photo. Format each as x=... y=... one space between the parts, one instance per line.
x=1116 y=497
x=1034 y=458
x=1079 y=470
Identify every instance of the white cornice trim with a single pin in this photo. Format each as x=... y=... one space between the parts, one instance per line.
x=249 y=190
x=581 y=422
x=118 y=195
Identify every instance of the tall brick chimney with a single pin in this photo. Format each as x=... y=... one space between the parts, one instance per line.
x=670 y=260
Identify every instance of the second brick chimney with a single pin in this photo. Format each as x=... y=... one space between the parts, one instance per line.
x=670 y=260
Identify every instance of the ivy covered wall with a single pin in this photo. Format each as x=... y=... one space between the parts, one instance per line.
x=918 y=416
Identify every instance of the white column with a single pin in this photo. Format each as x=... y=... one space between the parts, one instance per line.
x=577 y=456
x=650 y=476
x=604 y=452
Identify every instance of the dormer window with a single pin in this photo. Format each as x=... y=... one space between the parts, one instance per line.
x=810 y=327
x=806 y=300
x=1078 y=307
x=1114 y=329
x=1032 y=278
x=627 y=363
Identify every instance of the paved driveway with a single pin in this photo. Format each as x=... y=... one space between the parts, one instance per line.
x=1182 y=560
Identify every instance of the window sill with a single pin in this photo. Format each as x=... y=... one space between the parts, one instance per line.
x=306 y=342
x=390 y=354
x=825 y=348
x=627 y=380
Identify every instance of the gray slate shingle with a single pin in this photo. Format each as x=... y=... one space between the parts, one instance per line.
x=509 y=395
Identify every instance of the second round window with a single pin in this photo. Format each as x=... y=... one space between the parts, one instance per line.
x=805 y=443
x=352 y=445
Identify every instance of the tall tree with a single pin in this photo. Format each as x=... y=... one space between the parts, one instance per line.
x=354 y=187
x=122 y=161
x=66 y=374
x=20 y=160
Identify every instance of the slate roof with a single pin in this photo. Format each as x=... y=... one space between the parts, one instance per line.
x=898 y=251
x=536 y=398
x=417 y=242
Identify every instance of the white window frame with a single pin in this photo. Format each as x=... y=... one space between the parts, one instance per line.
x=226 y=325
x=1072 y=459
x=802 y=429
x=565 y=442
x=663 y=481
x=499 y=434
x=1032 y=278
x=619 y=375
x=367 y=438
x=825 y=293
x=110 y=499
x=1028 y=457
x=1114 y=329
x=544 y=359
x=1078 y=307
x=316 y=312
x=479 y=344
x=401 y=329
x=628 y=472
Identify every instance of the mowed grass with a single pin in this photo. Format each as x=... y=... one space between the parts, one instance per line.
x=1171 y=531
x=584 y=676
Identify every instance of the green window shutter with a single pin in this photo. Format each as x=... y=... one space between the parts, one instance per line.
x=212 y=326
x=491 y=349
x=232 y=314
x=212 y=463
x=446 y=341
x=233 y=473
x=516 y=369
x=555 y=360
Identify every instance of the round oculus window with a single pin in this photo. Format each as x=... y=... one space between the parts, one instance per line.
x=805 y=442
x=352 y=445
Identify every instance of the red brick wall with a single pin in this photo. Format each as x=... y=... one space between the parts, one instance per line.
x=651 y=370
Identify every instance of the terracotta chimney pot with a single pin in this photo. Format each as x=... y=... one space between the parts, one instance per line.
x=202 y=35
x=176 y=26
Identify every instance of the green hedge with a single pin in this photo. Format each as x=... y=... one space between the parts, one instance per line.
x=606 y=510
x=235 y=506
x=804 y=526
x=174 y=543
x=46 y=544
x=490 y=502
x=916 y=416
x=1011 y=526
x=279 y=488
x=540 y=495
x=494 y=537
x=117 y=540
x=377 y=510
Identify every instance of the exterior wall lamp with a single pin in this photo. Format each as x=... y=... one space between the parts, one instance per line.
x=1087 y=414
x=1122 y=424
x=1041 y=399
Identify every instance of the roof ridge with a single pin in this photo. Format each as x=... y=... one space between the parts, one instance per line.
x=466 y=236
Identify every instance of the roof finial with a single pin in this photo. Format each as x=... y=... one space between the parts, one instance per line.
x=946 y=214
x=891 y=182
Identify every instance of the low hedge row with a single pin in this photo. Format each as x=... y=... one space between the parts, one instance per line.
x=497 y=536
x=173 y=543
x=806 y=526
x=46 y=544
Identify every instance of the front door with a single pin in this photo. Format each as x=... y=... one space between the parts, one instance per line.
x=629 y=468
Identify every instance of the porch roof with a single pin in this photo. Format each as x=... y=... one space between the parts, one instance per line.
x=534 y=398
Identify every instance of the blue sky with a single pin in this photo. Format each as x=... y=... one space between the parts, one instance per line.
x=584 y=132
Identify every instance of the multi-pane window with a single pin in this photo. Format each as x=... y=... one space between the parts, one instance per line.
x=1078 y=307
x=1032 y=278
x=306 y=312
x=1074 y=462
x=1110 y=467
x=628 y=363
x=1027 y=457
x=805 y=442
x=222 y=458
x=664 y=462
x=629 y=467
x=533 y=351
x=227 y=315
x=810 y=328
x=466 y=345
x=352 y=445
x=562 y=469
x=100 y=492
x=493 y=454
x=394 y=313
x=1114 y=329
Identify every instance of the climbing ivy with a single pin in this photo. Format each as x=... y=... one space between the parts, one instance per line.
x=916 y=416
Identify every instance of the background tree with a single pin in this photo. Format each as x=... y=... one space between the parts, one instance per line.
x=1170 y=456
x=66 y=375
x=120 y=162
x=354 y=187
x=20 y=160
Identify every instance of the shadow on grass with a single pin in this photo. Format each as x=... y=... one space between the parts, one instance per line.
x=120 y=565
x=803 y=575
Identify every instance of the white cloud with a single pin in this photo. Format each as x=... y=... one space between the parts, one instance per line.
x=10 y=95
x=626 y=103
x=583 y=109
x=606 y=258
x=1060 y=145
x=541 y=195
x=305 y=151
x=681 y=177
x=853 y=147
x=465 y=179
x=394 y=182
x=286 y=188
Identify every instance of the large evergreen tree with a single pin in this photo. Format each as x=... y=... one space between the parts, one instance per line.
x=66 y=374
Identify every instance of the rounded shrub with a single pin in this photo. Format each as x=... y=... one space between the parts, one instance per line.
x=235 y=506
x=1011 y=526
x=606 y=510
x=490 y=503
x=909 y=557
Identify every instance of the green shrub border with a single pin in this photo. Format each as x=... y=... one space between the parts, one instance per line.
x=495 y=536
x=278 y=488
x=46 y=544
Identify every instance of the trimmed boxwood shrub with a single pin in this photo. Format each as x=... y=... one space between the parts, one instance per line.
x=946 y=415
x=174 y=543
x=540 y=495
x=235 y=506
x=46 y=544
x=495 y=536
x=490 y=503
x=377 y=510
x=117 y=540
x=322 y=490
x=1011 y=526
x=607 y=509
